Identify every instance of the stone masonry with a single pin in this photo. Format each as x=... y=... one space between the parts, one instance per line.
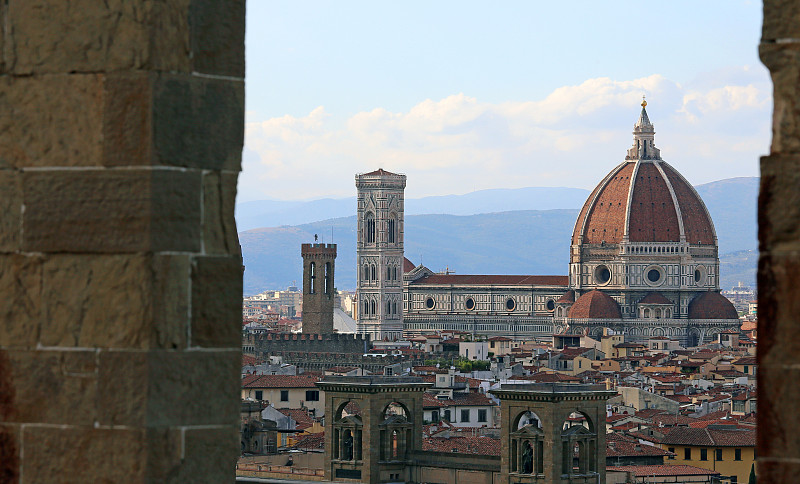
x=779 y=264
x=319 y=294
x=121 y=131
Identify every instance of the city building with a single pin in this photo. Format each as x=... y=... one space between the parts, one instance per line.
x=379 y=294
x=643 y=261
x=319 y=295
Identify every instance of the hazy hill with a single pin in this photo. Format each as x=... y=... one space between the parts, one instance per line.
x=272 y=213
x=510 y=242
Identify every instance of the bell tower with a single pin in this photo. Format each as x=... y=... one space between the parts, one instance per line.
x=318 y=290
x=380 y=254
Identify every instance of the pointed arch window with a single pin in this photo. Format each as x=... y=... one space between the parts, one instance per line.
x=372 y=307
x=374 y=275
x=369 y=228
x=392 y=232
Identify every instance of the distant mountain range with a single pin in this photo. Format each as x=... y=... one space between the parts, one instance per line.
x=505 y=242
x=272 y=213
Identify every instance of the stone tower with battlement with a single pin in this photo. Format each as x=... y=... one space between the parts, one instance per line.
x=318 y=290
x=380 y=254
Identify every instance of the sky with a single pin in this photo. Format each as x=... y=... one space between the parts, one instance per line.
x=468 y=95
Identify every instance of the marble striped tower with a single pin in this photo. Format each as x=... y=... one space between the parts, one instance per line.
x=380 y=254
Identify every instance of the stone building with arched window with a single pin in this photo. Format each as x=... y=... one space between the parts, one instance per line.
x=643 y=261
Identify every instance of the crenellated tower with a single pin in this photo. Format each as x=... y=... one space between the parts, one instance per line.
x=380 y=254
x=319 y=294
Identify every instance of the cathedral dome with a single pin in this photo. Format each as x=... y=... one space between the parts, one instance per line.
x=644 y=199
x=712 y=305
x=595 y=305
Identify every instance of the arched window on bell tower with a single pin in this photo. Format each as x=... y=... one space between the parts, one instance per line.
x=313 y=279
x=369 y=228
x=391 y=236
x=328 y=282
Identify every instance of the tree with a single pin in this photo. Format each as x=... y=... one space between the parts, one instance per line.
x=752 y=479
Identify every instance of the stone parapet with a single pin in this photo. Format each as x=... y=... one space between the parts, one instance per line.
x=122 y=128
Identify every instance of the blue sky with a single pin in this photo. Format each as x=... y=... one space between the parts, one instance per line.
x=471 y=95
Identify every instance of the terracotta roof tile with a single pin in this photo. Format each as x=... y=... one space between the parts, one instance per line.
x=478 y=445
x=654 y=298
x=595 y=305
x=712 y=305
x=380 y=172
x=279 y=381
x=568 y=297
x=312 y=442
x=664 y=470
x=711 y=437
x=498 y=280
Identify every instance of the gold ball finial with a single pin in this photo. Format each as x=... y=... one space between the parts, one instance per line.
x=644 y=103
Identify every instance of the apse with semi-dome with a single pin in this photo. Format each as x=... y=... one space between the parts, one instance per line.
x=643 y=262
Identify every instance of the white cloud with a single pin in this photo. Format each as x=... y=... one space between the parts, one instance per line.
x=572 y=137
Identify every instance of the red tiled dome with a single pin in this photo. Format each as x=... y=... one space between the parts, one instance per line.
x=654 y=298
x=569 y=297
x=712 y=305
x=595 y=305
x=646 y=199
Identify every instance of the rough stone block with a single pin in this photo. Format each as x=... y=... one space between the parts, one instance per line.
x=122 y=388
x=51 y=121
x=208 y=383
x=20 y=306
x=115 y=301
x=111 y=210
x=91 y=36
x=219 y=224
x=51 y=386
x=11 y=208
x=777 y=405
x=127 y=127
x=138 y=388
x=218 y=37
x=96 y=301
x=783 y=61
x=216 y=302
x=198 y=122
x=781 y=20
x=771 y=471
x=211 y=453
x=778 y=307
x=9 y=453
x=779 y=202
x=171 y=296
x=83 y=454
x=165 y=454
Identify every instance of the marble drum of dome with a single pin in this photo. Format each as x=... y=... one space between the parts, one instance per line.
x=644 y=226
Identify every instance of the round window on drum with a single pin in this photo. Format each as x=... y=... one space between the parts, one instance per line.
x=469 y=304
x=602 y=274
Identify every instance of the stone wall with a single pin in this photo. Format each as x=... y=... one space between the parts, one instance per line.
x=319 y=267
x=273 y=344
x=779 y=264
x=121 y=128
